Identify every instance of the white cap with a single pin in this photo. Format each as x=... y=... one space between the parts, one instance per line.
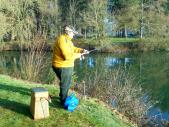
x=70 y=29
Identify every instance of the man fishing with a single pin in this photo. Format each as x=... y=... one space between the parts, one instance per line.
x=64 y=55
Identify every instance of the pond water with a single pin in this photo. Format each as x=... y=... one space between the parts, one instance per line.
x=152 y=69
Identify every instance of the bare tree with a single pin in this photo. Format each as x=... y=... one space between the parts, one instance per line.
x=95 y=15
x=73 y=8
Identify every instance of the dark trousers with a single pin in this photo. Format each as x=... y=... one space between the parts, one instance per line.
x=65 y=77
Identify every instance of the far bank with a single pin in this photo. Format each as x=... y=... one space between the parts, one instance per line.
x=114 y=45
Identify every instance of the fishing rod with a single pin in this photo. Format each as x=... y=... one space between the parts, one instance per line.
x=93 y=50
x=97 y=48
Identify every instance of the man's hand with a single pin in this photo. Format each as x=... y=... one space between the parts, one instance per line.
x=77 y=55
x=85 y=51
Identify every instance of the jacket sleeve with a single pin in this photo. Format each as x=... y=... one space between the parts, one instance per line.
x=77 y=50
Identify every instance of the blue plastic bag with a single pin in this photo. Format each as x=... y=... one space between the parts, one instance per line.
x=71 y=102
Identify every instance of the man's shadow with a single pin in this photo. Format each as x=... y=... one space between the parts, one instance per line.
x=56 y=102
x=20 y=107
x=21 y=90
x=15 y=107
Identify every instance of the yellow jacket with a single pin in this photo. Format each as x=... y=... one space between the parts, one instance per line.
x=64 y=52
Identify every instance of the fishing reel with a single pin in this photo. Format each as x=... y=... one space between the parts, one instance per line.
x=86 y=52
x=82 y=57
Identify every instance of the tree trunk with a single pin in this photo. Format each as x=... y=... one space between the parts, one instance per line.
x=125 y=30
x=141 y=24
x=85 y=33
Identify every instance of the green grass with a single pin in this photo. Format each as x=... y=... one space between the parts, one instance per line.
x=124 y=40
x=15 y=102
x=108 y=40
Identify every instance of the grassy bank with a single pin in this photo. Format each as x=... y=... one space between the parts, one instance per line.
x=123 y=45
x=14 y=108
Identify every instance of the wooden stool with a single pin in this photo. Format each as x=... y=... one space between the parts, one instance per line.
x=39 y=106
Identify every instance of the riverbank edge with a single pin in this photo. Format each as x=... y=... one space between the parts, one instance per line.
x=105 y=45
x=6 y=80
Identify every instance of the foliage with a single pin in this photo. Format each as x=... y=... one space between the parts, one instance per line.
x=119 y=89
x=154 y=44
x=19 y=16
x=23 y=19
x=146 y=17
x=127 y=13
x=95 y=16
x=166 y=7
x=33 y=62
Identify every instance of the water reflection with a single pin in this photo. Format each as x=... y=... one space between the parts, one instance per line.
x=111 y=62
x=157 y=115
x=91 y=62
x=152 y=69
x=114 y=61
